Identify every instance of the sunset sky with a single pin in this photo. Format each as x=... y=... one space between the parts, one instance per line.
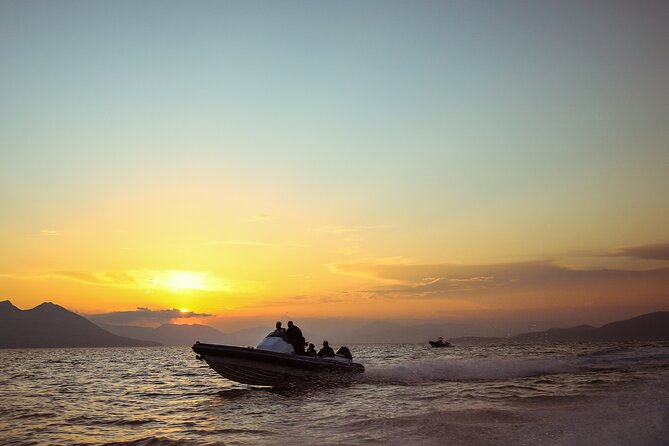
x=377 y=159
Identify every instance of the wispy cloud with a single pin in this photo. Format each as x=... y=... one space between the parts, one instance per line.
x=144 y=316
x=49 y=232
x=167 y=280
x=401 y=279
x=303 y=300
x=106 y=278
x=658 y=251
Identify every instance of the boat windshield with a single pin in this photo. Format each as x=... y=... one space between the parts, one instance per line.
x=275 y=342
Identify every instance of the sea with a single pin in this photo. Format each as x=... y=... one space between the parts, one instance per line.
x=411 y=394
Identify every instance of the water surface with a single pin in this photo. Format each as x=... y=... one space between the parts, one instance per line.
x=571 y=394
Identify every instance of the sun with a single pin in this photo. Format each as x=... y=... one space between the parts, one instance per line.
x=184 y=310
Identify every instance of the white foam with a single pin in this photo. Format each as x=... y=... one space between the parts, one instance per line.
x=469 y=369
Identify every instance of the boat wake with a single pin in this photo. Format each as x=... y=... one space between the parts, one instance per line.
x=492 y=368
x=419 y=371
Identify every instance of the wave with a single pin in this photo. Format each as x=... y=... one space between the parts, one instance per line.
x=492 y=368
x=624 y=358
x=444 y=369
x=30 y=414
x=161 y=441
x=632 y=415
x=92 y=420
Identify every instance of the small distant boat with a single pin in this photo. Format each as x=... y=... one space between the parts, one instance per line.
x=440 y=343
x=272 y=363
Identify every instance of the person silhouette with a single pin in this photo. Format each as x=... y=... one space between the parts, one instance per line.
x=326 y=351
x=295 y=338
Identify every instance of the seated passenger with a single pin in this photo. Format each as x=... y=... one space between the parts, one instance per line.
x=345 y=352
x=311 y=351
x=326 y=351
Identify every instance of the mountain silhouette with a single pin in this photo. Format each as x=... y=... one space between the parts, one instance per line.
x=50 y=325
x=647 y=327
x=578 y=333
x=171 y=334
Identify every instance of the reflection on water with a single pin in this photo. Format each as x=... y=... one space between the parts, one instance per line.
x=410 y=393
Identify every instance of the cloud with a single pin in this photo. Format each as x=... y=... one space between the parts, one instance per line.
x=401 y=279
x=120 y=279
x=49 y=232
x=439 y=285
x=658 y=251
x=302 y=300
x=109 y=279
x=166 y=280
x=143 y=316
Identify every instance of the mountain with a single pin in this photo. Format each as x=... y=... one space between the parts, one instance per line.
x=577 y=333
x=647 y=327
x=171 y=334
x=50 y=325
x=347 y=331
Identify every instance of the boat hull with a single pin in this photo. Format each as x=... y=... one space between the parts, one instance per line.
x=439 y=345
x=265 y=368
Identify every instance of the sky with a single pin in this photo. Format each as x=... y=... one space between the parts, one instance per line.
x=382 y=160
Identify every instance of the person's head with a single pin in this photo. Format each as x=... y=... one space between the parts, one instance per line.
x=290 y=323
x=325 y=344
x=312 y=347
x=278 y=325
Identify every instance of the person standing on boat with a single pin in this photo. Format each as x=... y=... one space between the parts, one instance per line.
x=295 y=338
x=280 y=331
x=326 y=351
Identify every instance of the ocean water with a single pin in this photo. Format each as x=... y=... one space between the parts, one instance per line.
x=579 y=394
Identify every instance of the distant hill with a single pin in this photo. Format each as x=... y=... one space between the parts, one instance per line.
x=50 y=325
x=578 y=333
x=648 y=327
x=171 y=334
